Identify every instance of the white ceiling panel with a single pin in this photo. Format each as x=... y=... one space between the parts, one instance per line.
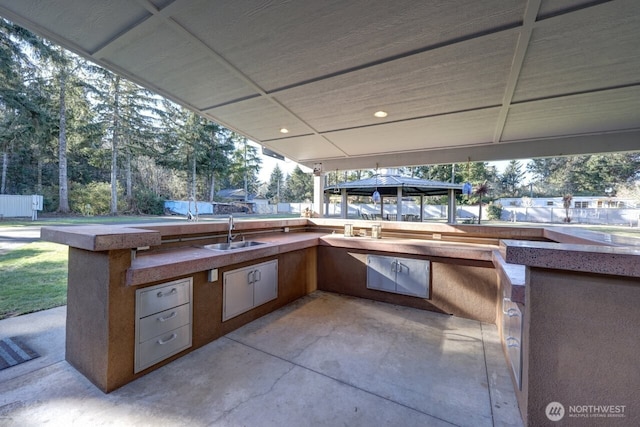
x=469 y=128
x=281 y=43
x=165 y=58
x=574 y=115
x=85 y=23
x=306 y=148
x=589 y=49
x=455 y=76
x=461 y=77
x=260 y=118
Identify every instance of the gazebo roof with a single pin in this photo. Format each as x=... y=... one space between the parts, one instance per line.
x=387 y=186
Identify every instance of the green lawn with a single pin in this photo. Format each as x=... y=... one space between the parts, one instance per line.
x=33 y=278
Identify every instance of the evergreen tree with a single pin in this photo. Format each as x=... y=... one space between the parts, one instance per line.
x=299 y=186
x=245 y=167
x=511 y=179
x=584 y=175
x=276 y=187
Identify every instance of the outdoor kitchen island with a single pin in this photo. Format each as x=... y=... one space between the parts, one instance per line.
x=114 y=270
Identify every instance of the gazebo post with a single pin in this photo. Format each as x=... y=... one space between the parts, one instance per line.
x=399 y=204
x=451 y=211
x=318 y=194
x=381 y=206
x=421 y=207
x=344 y=212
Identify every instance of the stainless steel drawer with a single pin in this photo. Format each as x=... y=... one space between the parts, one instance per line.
x=165 y=321
x=162 y=346
x=158 y=299
x=512 y=332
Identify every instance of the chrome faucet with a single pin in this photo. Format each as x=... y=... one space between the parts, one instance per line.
x=231 y=227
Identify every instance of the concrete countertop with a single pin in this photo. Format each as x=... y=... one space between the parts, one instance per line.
x=163 y=264
x=577 y=252
x=179 y=261
x=618 y=261
x=435 y=248
x=101 y=237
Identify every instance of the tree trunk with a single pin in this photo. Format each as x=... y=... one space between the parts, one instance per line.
x=63 y=204
x=212 y=187
x=114 y=146
x=5 y=166
x=193 y=182
x=129 y=190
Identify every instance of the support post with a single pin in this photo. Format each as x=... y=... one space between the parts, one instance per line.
x=451 y=207
x=344 y=211
x=399 y=204
x=318 y=194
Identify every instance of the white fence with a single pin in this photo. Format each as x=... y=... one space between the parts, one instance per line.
x=617 y=216
x=20 y=206
x=613 y=216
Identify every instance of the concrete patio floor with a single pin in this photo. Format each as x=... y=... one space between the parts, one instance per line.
x=324 y=360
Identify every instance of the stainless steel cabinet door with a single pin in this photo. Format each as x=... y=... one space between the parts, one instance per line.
x=265 y=282
x=412 y=277
x=405 y=276
x=238 y=292
x=381 y=273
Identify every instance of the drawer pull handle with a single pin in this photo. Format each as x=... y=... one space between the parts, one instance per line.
x=512 y=312
x=171 y=338
x=512 y=342
x=172 y=292
x=171 y=316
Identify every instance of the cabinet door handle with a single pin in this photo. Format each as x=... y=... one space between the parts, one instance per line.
x=250 y=277
x=257 y=273
x=505 y=301
x=173 y=291
x=401 y=265
x=171 y=316
x=394 y=266
x=171 y=338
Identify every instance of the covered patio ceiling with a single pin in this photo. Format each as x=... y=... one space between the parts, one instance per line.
x=459 y=80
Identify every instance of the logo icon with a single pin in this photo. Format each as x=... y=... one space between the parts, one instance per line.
x=554 y=411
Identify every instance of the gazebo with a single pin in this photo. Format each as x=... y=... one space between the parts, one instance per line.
x=398 y=186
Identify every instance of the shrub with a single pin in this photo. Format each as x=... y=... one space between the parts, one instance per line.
x=50 y=197
x=93 y=198
x=146 y=201
x=494 y=211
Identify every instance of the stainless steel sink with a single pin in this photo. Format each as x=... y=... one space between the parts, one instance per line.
x=233 y=245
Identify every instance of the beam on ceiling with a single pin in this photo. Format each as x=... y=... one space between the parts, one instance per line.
x=530 y=13
x=627 y=141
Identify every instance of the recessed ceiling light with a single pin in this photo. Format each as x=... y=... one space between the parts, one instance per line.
x=284 y=130
x=380 y=114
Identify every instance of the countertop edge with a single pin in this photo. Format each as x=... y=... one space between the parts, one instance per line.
x=616 y=261
x=412 y=246
x=100 y=238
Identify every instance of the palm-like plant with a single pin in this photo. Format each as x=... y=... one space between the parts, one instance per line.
x=481 y=190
